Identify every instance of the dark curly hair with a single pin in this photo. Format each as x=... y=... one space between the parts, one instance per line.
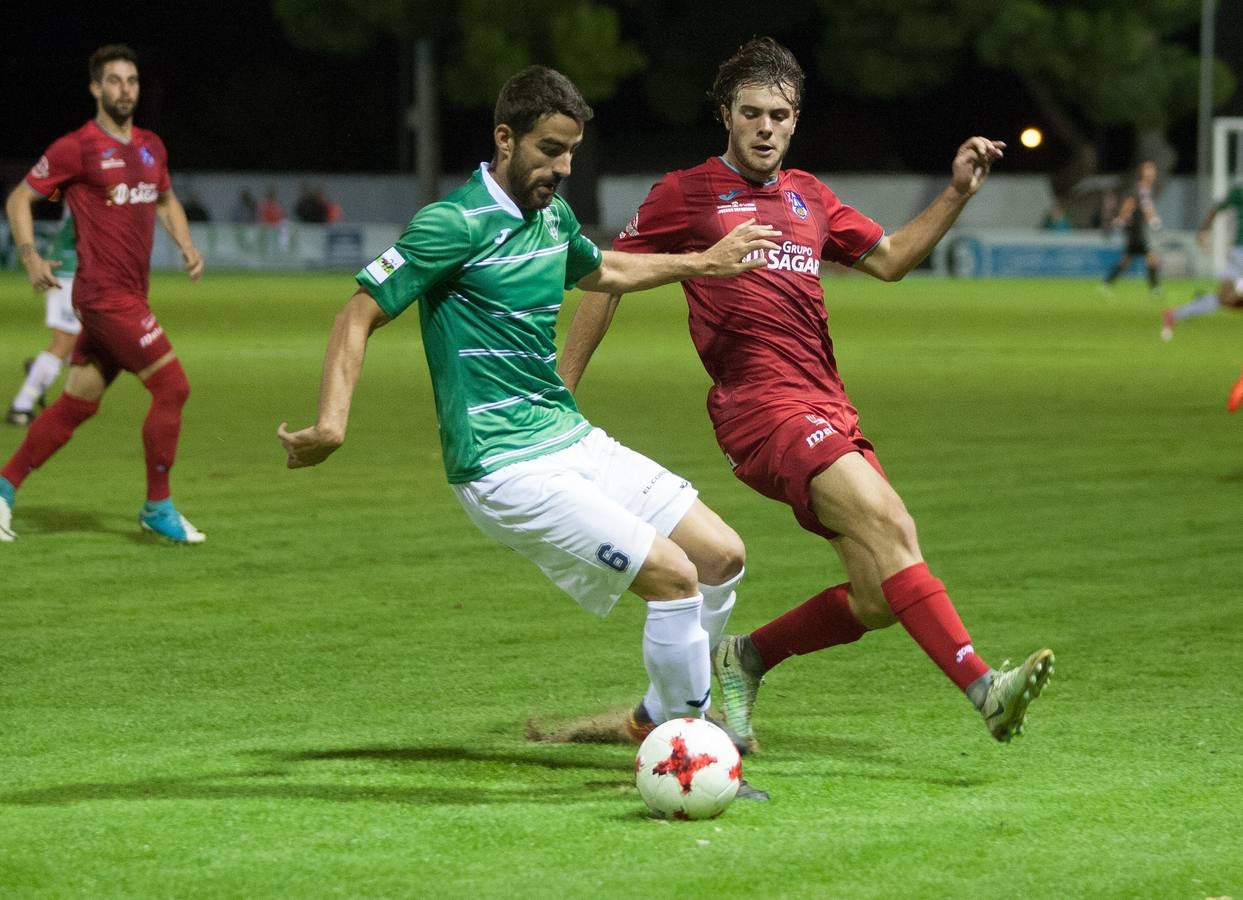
x=106 y=54
x=759 y=62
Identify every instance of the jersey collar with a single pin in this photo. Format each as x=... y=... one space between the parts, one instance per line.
x=112 y=134
x=502 y=199
x=769 y=183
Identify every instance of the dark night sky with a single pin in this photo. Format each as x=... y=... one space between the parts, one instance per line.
x=225 y=90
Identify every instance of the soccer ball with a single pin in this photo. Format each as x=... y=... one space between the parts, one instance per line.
x=688 y=769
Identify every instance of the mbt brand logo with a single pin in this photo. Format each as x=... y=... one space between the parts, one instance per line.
x=614 y=559
x=819 y=434
x=147 y=157
x=796 y=204
x=552 y=220
x=735 y=206
x=791 y=257
x=730 y=196
x=143 y=192
x=963 y=652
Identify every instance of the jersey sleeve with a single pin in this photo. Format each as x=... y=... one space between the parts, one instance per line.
x=660 y=225
x=431 y=250
x=852 y=235
x=164 y=184
x=583 y=256
x=61 y=164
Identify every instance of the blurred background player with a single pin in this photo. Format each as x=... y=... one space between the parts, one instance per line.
x=61 y=320
x=114 y=178
x=1137 y=217
x=1229 y=294
x=778 y=406
x=489 y=266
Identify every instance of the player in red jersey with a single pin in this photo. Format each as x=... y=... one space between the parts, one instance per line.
x=114 y=176
x=777 y=403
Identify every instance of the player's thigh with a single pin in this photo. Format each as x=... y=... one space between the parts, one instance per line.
x=715 y=549
x=582 y=540
x=852 y=498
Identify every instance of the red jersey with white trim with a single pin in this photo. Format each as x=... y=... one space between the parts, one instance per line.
x=762 y=334
x=111 y=187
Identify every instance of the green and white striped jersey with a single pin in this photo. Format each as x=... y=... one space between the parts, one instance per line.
x=492 y=278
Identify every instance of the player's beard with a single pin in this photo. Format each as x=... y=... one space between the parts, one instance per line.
x=763 y=167
x=526 y=186
x=120 y=112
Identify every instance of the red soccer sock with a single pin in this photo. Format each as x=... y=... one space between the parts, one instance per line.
x=50 y=431
x=923 y=607
x=823 y=621
x=162 y=427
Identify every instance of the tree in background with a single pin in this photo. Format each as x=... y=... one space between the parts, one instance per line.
x=473 y=46
x=1089 y=66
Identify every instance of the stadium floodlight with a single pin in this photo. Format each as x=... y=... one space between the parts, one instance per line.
x=1031 y=138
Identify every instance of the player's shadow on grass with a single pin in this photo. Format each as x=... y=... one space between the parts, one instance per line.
x=59 y=520
x=288 y=782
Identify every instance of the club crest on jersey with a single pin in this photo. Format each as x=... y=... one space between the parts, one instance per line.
x=148 y=158
x=796 y=204
x=552 y=220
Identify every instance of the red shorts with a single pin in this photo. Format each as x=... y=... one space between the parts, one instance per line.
x=778 y=450
x=123 y=336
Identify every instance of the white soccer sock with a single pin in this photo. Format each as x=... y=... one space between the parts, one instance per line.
x=718 y=604
x=675 y=654
x=42 y=373
x=1200 y=306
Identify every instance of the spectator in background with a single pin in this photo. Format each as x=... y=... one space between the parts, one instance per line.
x=195 y=210
x=245 y=211
x=1056 y=219
x=310 y=206
x=270 y=210
x=1138 y=217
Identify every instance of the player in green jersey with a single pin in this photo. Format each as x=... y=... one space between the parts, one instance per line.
x=1229 y=293
x=61 y=320
x=490 y=264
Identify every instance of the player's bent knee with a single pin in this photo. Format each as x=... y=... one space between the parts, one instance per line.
x=728 y=557
x=667 y=573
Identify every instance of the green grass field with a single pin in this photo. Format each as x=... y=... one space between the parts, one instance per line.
x=330 y=697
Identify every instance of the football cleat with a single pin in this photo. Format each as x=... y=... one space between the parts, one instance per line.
x=7 y=493
x=738 y=690
x=19 y=417
x=1012 y=691
x=162 y=518
x=639 y=724
x=746 y=791
x=1235 y=400
x=1167 y=325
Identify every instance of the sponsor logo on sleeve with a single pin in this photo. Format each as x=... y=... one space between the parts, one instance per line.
x=385 y=265
x=632 y=227
x=40 y=169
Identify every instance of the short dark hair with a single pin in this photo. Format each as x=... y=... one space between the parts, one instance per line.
x=109 y=53
x=759 y=62
x=535 y=92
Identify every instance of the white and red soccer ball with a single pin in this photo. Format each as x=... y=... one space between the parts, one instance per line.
x=688 y=769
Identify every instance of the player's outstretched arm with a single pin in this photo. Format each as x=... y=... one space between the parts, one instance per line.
x=22 y=226
x=591 y=320
x=899 y=253
x=173 y=217
x=621 y=273
x=343 y=364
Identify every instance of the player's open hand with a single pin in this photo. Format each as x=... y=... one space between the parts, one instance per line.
x=308 y=447
x=39 y=271
x=972 y=163
x=193 y=262
x=733 y=253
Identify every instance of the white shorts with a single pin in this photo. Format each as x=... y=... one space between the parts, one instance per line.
x=1233 y=270
x=586 y=515
x=60 y=314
